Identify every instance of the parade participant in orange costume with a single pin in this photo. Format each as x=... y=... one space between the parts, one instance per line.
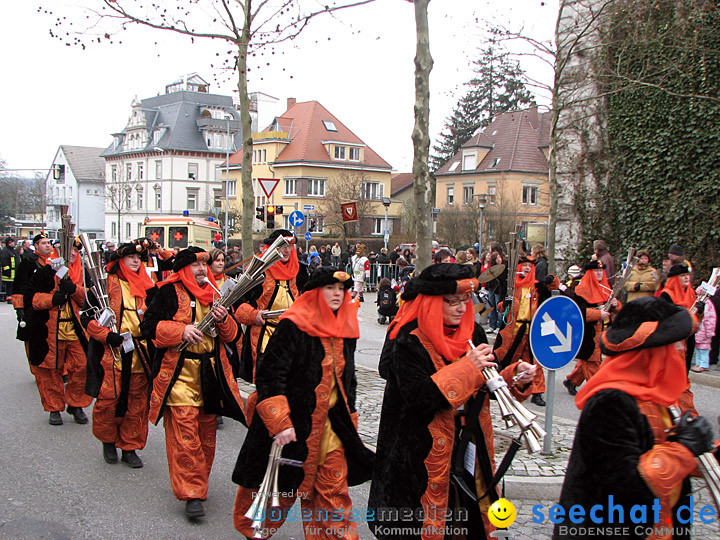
x=512 y=343
x=306 y=400
x=194 y=385
x=121 y=380
x=591 y=294
x=57 y=342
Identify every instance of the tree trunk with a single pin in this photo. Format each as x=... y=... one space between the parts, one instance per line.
x=423 y=182
x=248 y=195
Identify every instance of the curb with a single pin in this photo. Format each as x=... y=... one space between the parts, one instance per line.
x=703 y=379
x=536 y=488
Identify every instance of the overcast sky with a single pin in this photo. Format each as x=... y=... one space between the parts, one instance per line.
x=363 y=74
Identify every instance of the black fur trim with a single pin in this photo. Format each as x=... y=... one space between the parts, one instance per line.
x=325 y=275
x=437 y=279
x=186 y=257
x=677 y=269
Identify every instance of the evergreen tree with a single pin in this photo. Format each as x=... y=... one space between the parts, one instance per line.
x=497 y=87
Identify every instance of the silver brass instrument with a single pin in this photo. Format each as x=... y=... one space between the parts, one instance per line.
x=253 y=276
x=102 y=313
x=514 y=248
x=707 y=464
x=512 y=411
x=713 y=282
x=623 y=279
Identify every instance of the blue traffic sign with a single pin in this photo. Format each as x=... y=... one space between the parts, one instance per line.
x=556 y=332
x=308 y=207
x=308 y=236
x=296 y=219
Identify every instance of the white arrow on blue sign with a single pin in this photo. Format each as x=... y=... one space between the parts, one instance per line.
x=309 y=207
x=296 y=219
x=556 y=332
x=308 y=236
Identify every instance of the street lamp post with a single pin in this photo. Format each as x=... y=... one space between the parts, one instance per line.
x=482 y=201
x=227 y=178
x=386 y=231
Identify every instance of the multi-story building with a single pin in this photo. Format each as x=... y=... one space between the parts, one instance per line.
x=76 y=180
x=506 y=166
x=318 y=163
x=167 y=159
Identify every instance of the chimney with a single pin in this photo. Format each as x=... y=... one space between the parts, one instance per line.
x=290 y=102
x=533 y=117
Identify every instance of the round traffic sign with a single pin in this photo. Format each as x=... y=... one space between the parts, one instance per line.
x=296 y=218
x=308 y=236
x=556 y=332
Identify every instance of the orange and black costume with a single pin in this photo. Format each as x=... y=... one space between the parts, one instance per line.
x=622 y=448
x=306 y=380
x=435 y=405
x=193 y=386
x=56 y=340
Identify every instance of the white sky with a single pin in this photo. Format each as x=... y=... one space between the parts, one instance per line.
x=53 y=94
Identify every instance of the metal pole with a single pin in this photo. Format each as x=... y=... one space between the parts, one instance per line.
x=385 y=228
x=227 y=180
x=549 y=411
x=482 y=210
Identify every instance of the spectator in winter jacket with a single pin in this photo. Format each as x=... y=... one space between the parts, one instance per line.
x=336 y=251
x=643 y=278
x=703 y=338
x=386 y=301
x=541 y=262
x=602 y=254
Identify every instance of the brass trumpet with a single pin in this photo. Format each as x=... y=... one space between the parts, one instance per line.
x=512 y=411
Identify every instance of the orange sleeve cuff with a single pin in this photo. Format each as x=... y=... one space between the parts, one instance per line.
x=458 y=381
x=166 y=254
x=227 y=329
x=275 y=414
x=592 y=315
x=665 y=466
x=79 y=296
x=18 y=302
x=97 y=332
x=508 y=373
x=168 y=334
x=42 y=301
x=246 y=314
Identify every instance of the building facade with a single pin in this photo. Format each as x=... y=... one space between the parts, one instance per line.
x=167 y=159
x=76 y=180
x=318 y=163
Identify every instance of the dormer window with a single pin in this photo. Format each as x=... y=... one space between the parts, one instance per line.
x=339 y=152
x=495 y=162
x=469 y=162
x=330 y=126
x=454 y=166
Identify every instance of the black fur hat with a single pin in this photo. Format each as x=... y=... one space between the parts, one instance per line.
x=677 y=269
x=279 y=232
x=189 y=256
x=526 y=259
x=327 y=275
x=595 y=264
x=138 y=246
x=644 y=323
x=440 y=279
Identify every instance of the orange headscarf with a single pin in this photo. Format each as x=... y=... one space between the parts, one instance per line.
x=681 y=296
x=139 y=281
x=428 y=310
x=204 y=295
x=527 y=281
x=655 y=374
x=312 y=314
x=75 y=270
x=285 y=271
x=594 y=291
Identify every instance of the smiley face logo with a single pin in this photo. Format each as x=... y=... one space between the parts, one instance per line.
x=502 y=513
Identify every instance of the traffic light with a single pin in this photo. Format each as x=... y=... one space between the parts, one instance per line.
x=260 y=213
x=270 y=216
x=279 y=210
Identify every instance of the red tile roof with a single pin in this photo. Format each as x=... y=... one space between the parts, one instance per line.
x=304 y=124
x=515 y=138
x=400 y=182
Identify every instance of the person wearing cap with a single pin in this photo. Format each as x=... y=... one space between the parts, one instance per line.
x=109 y=248
x=678 y=290
x=31 y=263
x=281 y=287
x=191 y=386
x=436 y=407
x=306 y=389
x=602 y=254
x=623 y=450
x=9 y=262
x=643 y=278
x=574 y=273
x=512 y=343
x=56 y=340
x=360 y=267
x=591 y=295
x=117 y=377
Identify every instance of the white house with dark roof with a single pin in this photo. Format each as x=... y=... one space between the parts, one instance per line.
x=167 y=159
x=77 y=180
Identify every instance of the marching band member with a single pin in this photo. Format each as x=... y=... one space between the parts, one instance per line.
x=512 y=343
x=57 y=342
x=193 y=385
x=120 y=380
x=435 y=393
x=283 y=281
x=306 y=401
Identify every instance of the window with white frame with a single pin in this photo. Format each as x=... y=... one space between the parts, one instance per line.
x=468 y=192
x=316 y=187
x=128 y=198
x=291 y=186
x=451 y=195
x=140 y=171
x=469 y=162
x=128 y=171
x=339 y=152
x=139 y=192
x=373 y=190
x=158 y=169
x=530 y=195
x=316 y=224
x=113 y=173
x=231 y=188
x=192 y=199
x=264 y=156
x=128 y=230
x=378 y=224
x=492 y=191
x=354 y=153
x=158 y=200
x=113 y=229
x=139 y=230
x=329 y=125
x=193 y=171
